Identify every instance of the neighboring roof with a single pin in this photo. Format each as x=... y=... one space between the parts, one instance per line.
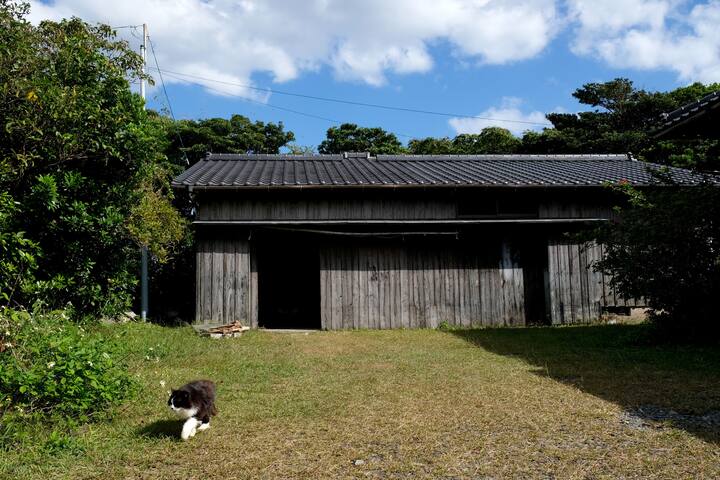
x=698 y=117
x=228 y=171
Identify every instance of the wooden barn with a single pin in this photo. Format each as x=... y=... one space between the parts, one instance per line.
x=401 y=241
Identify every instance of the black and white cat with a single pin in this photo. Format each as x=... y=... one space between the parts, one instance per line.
x=195 y=402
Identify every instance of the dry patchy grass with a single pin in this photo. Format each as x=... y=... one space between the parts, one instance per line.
x=505 y=403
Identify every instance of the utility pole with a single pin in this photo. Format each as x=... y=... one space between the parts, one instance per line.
x=143 y=249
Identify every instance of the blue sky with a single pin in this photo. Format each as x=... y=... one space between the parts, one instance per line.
x=505 y=60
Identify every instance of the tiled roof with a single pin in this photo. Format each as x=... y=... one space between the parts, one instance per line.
x=226 y=171
x=686 y=113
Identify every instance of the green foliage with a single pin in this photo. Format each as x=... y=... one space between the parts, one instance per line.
x=50 y=367
x=295 y=149
x=79 y=155
x=431 y=146
x=491 y=140
x=622 y=120
x=238 y=134
x=18 y=260
x=349 y=137
x=154 y=222
x=666 y=249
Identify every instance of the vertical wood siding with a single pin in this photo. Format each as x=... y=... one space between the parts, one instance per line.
x=226 y=288
x=380 y=286
x=404 y=287
x=577 y=292
x=337 y=209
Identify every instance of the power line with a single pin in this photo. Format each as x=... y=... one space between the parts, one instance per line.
x=172 y=114
x=352 y=102
x=269 y=105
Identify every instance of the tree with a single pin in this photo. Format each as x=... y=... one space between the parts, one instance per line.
x=238 y=134
x=348 y=137
x=431 y=146
x=490 y=140
x=666 y=249
x=79 y=157
x=622 y=120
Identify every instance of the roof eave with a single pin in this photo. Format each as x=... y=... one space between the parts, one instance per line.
x=228 y=188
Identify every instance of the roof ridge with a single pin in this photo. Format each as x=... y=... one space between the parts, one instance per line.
x=355 y=156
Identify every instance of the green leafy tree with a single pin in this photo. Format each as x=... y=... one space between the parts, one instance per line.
x=622 y=120
x=431 y=146
x=238 y=134
x=666 y=249
x=491 y=140
x=348 y=137
x=78 y=155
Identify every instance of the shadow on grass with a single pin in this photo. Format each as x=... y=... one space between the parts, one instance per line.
x=679 y=385
x=161 y=429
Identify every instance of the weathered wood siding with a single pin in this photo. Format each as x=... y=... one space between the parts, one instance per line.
x=577 y=292
x=419 y=287
x=587 y=209
x=226 y=282
x=331 y=209
x=414 y=286
x=396 y=205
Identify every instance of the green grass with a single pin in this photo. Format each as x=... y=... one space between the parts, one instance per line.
x=536 y=402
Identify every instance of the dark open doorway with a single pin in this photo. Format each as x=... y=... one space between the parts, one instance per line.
x=535 y=275
x=288 y=283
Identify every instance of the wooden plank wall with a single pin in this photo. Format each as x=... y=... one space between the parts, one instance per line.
x=432 y=207
x=330 y=209
x=577 y=292
x=226 y=282
x=566 y=209
x=405 y=287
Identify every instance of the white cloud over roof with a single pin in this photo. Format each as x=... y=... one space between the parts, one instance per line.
x=359 y=40
x=510 y=111
x=365 y=40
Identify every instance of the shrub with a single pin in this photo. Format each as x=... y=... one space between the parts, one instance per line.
x=81 y=161
x=17 y=255
x=51 y=366
x=665 y=248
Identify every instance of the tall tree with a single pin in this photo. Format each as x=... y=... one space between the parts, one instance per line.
x=348 y=137
x=621 y=120
x=80 y=160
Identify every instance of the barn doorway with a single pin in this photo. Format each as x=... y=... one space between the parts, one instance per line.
x=288 y=284
x=534 y=257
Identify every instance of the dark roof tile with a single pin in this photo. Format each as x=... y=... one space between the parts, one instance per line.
x=360 y=170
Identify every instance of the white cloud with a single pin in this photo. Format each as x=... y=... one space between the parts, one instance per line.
x=507 y=115
x=650 y=35
x=367 y=40
x=359 y=40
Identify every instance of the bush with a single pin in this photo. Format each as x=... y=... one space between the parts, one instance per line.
x=665 y=248
x=50 y=366
x=83 y=166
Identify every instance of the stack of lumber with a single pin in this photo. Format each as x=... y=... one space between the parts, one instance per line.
x=234 y=329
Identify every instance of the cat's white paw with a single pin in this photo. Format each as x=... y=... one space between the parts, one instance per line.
x=203 y=426
x=189 y=428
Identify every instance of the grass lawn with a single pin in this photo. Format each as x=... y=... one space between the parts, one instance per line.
x=580 y=402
